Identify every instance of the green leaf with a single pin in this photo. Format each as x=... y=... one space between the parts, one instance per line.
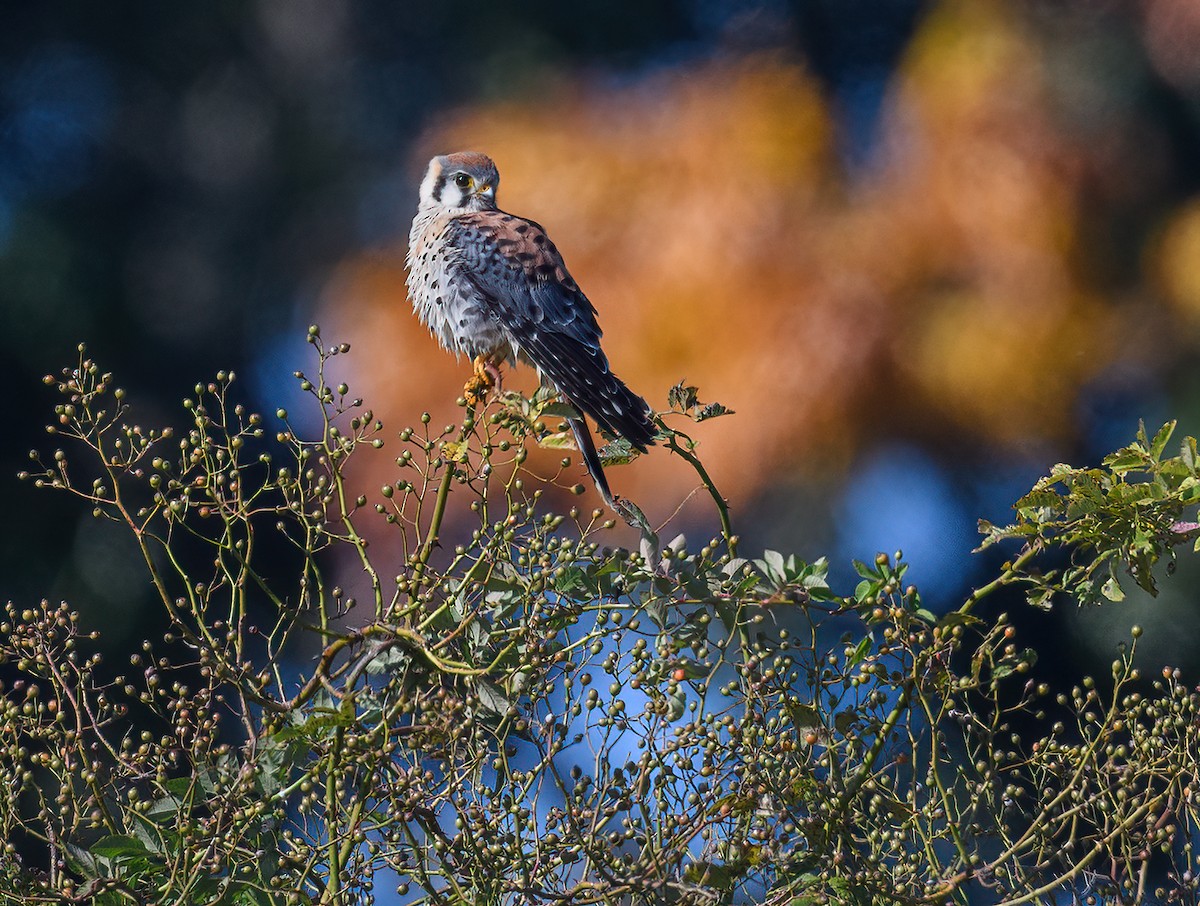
x=316 y=726
x=1037 y=499
x=860 y=651
x=712 y=410
x=1189 y=490
x=1142 y=441
x=562 y=440
x=656 y=610
x=634 y=517
x=734 y=566
x=727 y=613
x=1188 y=454
x=957 y=618
x=682 y=397
x=804 y=715
x=1081 y=507
x=389 y=660
x=560 y=409
x=1129 y=459
x=772 y=563
x=815 y=882
x=676 y=704
x=866 y=571
x=570 y=583
x=1141 y=567
x=617 y=452
x=844 y=721
x=713 y=875
x=163 y=810
x=83 y=862
x=693 y=669
x=1009 y=666
x=491 y=697
x=207 y=777
x=1041 y=597
x=1112 y=590
x=146 y=832
x=116 y=845
x=253 y=896
x=1160 y=440
x=454 y=451
x=816 y=574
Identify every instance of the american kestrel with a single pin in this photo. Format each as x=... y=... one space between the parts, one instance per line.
x=492 y=286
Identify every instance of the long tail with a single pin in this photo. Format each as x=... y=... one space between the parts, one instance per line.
x=581 y=373
x=591 y=459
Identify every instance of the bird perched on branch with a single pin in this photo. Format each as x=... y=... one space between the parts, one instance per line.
x=492 y=286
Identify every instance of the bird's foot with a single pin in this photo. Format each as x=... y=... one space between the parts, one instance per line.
x=492 y=370
x=485 y=377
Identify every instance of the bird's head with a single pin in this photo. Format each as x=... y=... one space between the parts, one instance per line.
x=463 y=181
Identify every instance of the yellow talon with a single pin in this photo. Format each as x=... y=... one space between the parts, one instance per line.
x=481 y=381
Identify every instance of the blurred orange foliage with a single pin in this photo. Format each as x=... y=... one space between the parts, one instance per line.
x=1176 y=262
x=707 y=214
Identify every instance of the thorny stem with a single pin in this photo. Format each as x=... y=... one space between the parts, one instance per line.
x=1011 y=572
x=333 y=885
x=867 y=768
x=421 y=562
x=719 y=501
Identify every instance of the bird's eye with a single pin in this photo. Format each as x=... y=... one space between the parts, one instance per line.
x=462 y=180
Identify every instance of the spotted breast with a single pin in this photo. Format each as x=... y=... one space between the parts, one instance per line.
x=444 y=297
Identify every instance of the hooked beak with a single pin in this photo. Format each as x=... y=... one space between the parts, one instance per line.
x=487 y=191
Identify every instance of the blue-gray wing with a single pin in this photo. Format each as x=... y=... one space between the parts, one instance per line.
x=515 y=267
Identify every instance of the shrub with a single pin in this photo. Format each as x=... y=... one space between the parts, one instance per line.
x=521 y=714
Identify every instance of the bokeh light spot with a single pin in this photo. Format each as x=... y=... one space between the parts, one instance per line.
x=901 y=499
x=60 y=103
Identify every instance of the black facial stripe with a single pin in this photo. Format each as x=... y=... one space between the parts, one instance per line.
x=438 y=186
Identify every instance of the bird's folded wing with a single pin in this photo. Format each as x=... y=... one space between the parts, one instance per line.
x=519 y=272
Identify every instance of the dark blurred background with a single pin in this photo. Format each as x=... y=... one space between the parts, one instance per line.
x=925 y=250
